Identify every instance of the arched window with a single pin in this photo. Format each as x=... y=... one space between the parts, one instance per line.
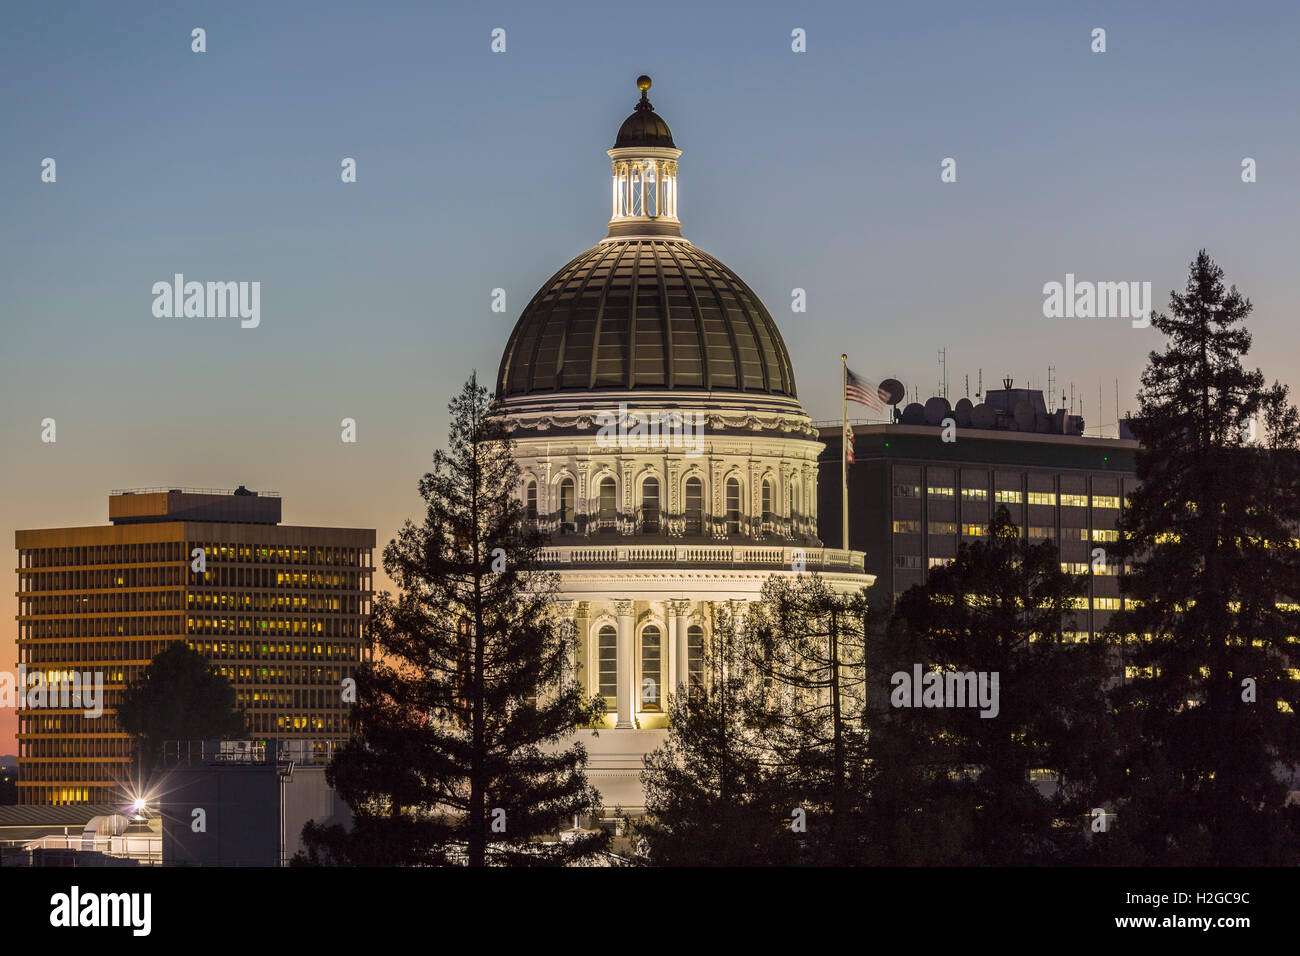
x=767 y=503
x=607 y=515
x=530 y=499
x=733 y=506
x=607 y=666
x=796 y=498
x=567 y=517
x=694 y=657
x=650 y=506
x=651 y=656
x=694 y=506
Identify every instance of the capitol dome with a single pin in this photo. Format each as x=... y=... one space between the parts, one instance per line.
x=662 y=451
x=644 y=309
x=645 y=313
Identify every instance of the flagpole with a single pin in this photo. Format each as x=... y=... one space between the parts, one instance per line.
x=844 y=451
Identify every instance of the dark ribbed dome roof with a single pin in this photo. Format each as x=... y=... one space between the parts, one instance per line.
x=645 y=313
x=644 y=127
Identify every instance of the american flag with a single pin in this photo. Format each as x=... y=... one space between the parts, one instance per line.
x=848 y=443
x=863 y=392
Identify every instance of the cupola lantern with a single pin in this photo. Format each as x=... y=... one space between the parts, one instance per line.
x=644 y=174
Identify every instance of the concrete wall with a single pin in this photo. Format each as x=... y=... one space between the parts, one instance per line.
x=242 y=807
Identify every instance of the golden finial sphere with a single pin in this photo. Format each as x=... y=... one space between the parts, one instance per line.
x=643 y=82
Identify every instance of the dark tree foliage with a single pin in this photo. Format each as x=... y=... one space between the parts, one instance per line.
x=1213 y=581
x=954 y=786
x=710 y=798
x=459 y=751
x=178 y=697
x=806 y=645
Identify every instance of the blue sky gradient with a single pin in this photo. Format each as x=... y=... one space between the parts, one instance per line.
x=477 y=170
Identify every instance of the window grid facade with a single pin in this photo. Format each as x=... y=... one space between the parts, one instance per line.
x=279 y=611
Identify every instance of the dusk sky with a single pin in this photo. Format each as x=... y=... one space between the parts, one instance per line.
x=478 y=170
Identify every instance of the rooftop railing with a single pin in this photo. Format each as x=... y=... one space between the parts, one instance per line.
x=303 y=752
x=194 y=491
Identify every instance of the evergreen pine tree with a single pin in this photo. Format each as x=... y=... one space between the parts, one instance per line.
x=180 y=697
x=709 y=799
x=460 y=724
x=954 y=785
x=1208 y=720
x=806 y=645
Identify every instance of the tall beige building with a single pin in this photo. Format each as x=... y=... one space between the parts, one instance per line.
x=280 y=610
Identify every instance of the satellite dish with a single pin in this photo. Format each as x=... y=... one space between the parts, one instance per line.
x=894 y=389
x=961 y=411
x=981 y=416
x=936 y=410
x=1023 y=413
x=914 y=414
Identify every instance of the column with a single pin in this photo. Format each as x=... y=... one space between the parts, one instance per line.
x=567 y=609
x=582 y=646
x=626 y=666
x=670 y=675
x=681 y=629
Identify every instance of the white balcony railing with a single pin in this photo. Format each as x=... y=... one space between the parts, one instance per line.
x=814 y=559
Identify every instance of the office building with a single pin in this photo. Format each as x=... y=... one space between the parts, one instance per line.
x=914 y=497
x=279 y=610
